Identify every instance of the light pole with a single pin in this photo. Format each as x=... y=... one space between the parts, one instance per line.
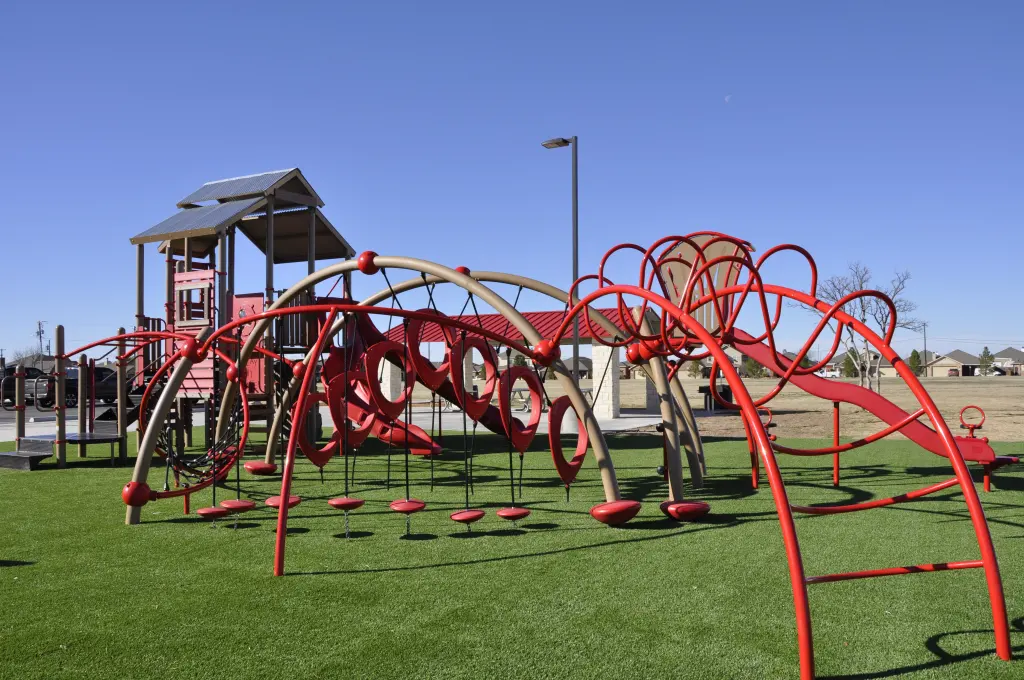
x=556 y=143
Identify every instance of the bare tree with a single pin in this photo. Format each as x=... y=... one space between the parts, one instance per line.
x=871 y=312
x=28 y=356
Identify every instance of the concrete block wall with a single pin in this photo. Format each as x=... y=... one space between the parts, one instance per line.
x=605 y=379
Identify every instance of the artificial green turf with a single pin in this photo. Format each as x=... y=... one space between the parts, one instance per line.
x=83 y=595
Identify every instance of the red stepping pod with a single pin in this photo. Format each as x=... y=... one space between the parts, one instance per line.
x=513 y=514
x=213 y=512
x=467 y=516
x=237 y=505
x=616 y=512
x=275 y=501
x=407 y=506
x=685 y=511
x=345 y=503
x=260 y=468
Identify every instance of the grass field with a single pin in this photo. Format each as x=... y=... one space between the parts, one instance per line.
x=83 y=596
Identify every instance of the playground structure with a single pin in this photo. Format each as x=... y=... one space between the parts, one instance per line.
x=276 y=357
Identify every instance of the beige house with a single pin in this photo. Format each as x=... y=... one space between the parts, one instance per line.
x=955 y=363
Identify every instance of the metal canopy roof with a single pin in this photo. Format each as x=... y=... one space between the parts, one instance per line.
x=206 y=220
x=291 y=230
x=252 y=186
x=243 y=201
x=546 y=323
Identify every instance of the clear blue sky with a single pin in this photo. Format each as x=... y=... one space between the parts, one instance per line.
x=885 y=132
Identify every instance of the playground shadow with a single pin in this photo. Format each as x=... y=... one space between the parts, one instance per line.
x=353 y=534
x=506 y=558
x=417 y=537
x=15 y=563
x=943 y=659
x=73 y=462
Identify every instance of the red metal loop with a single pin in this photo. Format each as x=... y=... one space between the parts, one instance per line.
x=972 y=426
x=319 y=457
x=567 y=469
x=336 y=400
x=430 y=375
x=373 y=356
x=521 y=435
x=475 y=407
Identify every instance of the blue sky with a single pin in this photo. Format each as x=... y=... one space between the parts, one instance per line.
x=883 y=132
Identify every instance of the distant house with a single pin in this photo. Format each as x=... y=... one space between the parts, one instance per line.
x=1010 y=361
x=887 y=371
x=965 y=364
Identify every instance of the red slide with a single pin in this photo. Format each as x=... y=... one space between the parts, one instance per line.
x=833 y=390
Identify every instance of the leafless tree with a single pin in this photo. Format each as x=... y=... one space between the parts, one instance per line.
x=871 y=312
x=28 y=356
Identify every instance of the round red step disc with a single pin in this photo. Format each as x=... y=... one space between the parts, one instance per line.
x=237 y=505
x=513 y=514
x=213 y=512
x=615 y=512
x=407 y=506
x=467 y=516
x=275 y=501
x=259 y=467
x=684 y=511
x=346 y=503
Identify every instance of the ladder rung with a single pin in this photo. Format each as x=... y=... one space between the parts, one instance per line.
x=895 y=571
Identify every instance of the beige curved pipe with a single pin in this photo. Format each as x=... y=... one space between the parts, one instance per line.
x=442 y=273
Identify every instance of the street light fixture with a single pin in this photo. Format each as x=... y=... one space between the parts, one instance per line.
x=557 y=143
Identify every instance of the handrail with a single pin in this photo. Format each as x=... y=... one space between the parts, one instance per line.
x=37 y=400
x=3 y=403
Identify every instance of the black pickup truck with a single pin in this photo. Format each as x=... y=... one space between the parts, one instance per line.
x=30 y=376
x=106 y=387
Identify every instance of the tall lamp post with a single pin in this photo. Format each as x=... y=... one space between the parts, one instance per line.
x=556 y=143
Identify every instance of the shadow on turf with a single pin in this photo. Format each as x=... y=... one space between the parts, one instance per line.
x=943 y=658
x=15 y=563
x=354 y=534
x=487 y=560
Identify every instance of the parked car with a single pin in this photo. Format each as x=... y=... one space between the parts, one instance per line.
x=31 y=374
x=953 y=373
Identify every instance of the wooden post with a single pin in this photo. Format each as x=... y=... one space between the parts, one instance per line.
x=222 y=280
x=231 y=261
x=186 y=418
x=140 y=286
x=169 y=285
x=311 y=245
x=83 y=396
x=268 y=338
x=122 y=398
x=19 y=403
x=60 y=405
x=188 y=254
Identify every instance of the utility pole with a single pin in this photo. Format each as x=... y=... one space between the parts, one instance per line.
x=924 y=328
x=39 y=334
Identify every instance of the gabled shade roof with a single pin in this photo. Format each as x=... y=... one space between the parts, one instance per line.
x=291 y=233
x=203 y=221
x=250 y=186
x=243 y=201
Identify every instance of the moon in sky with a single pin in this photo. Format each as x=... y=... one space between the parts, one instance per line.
x=727 y=98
